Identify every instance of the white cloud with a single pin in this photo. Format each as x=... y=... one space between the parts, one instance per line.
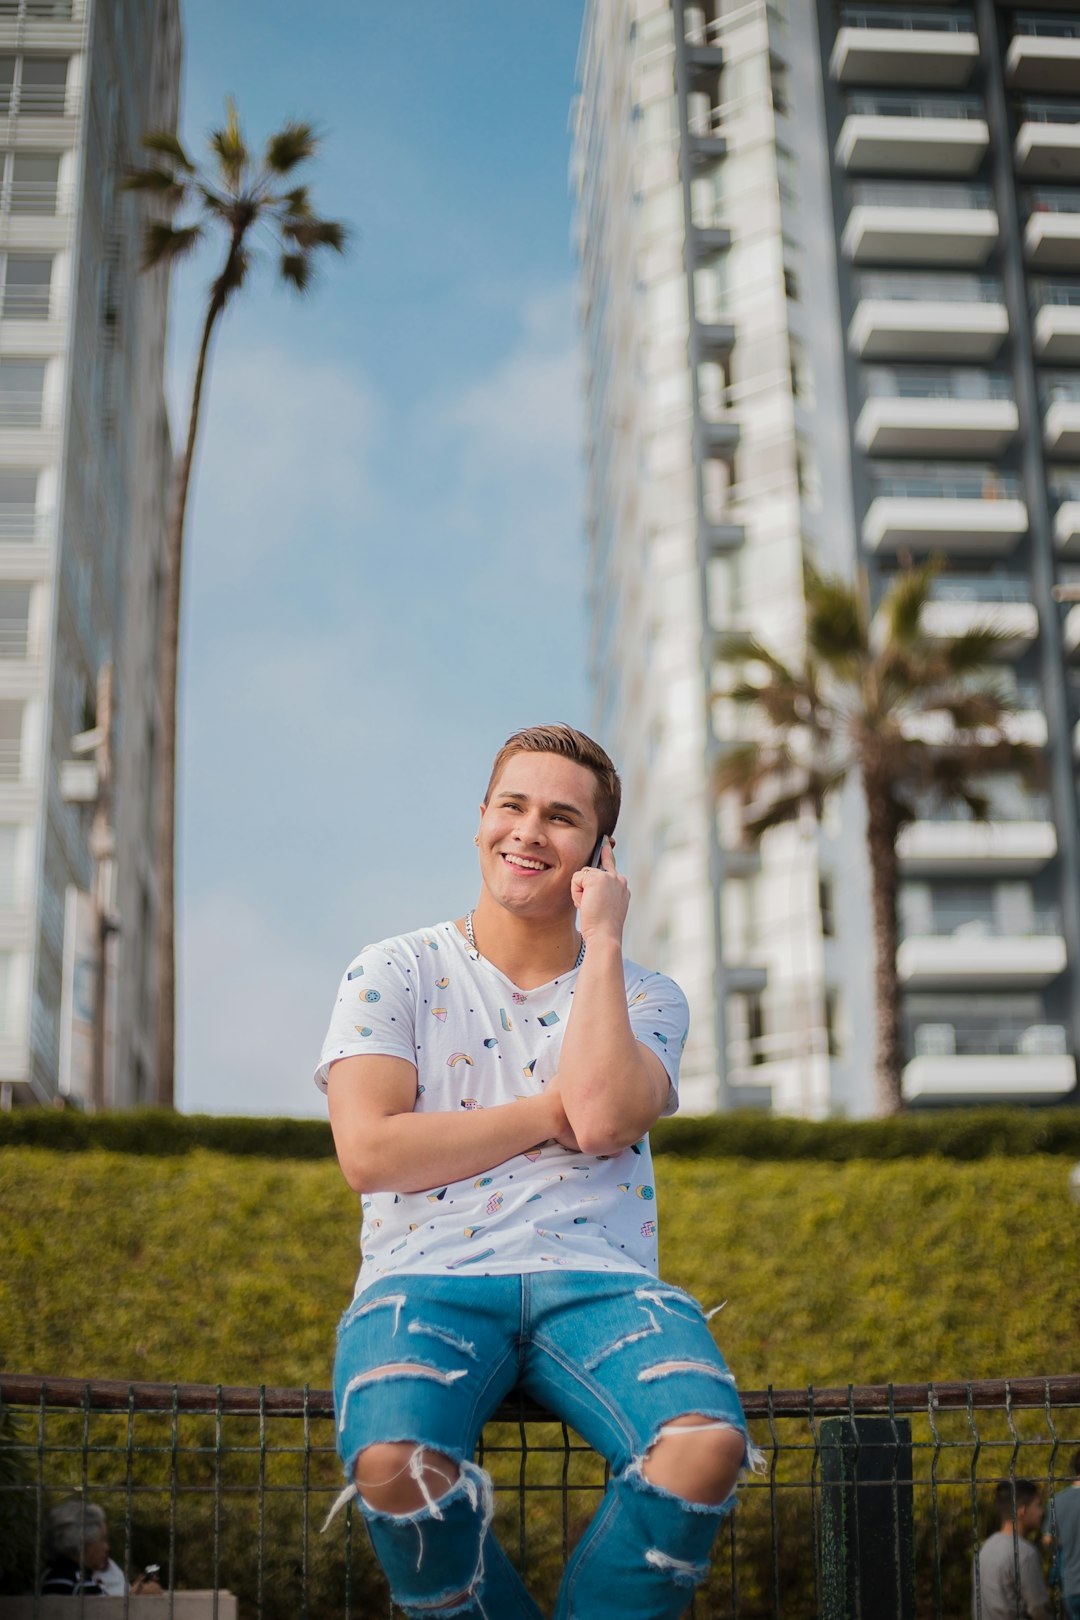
x=286 y=444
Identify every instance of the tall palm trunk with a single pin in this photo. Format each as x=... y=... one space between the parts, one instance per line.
x=884 y=887
x=169 y=655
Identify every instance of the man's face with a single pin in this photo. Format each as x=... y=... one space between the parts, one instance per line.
x=538 y=827
x=1029 y=1517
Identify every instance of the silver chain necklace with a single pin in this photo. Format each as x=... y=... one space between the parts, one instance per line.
x=471 y=937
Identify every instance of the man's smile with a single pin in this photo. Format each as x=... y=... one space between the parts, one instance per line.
x=524 y=863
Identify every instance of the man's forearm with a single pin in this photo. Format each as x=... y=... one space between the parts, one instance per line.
x=412 y=1152
x=609 y=1089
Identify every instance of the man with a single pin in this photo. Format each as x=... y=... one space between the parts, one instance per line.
x=77 y=1547
x=491 y=1083
x=1018 y=1508
x=1065 y=1534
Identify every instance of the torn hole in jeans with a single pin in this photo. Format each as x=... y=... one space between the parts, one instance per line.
x=667 y=1369
x=621 y=1344
x=444 y=1336
x=395 y=1369
x=682 y=1572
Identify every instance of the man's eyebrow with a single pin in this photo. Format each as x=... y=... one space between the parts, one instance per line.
x=556 y=804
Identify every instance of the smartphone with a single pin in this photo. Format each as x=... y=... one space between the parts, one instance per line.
x=598 y=851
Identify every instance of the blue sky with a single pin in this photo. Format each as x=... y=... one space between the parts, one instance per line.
x=384 y=573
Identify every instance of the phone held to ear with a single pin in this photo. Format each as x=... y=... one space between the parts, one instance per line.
x=598 y=851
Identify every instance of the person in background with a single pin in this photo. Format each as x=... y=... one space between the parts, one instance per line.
x=1064 y=1535
x=77 y=1548
x=1018 y=1508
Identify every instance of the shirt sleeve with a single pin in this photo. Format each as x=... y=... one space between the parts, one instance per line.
x=660 y=1019
x=374 y=1013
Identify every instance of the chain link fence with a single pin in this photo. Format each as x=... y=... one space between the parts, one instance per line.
x=872 y=1505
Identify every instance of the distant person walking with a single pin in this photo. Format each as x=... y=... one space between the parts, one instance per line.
x=1019 y=1509
x=1064 y=1534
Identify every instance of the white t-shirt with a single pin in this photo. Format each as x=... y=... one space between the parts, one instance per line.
x=478 y=1041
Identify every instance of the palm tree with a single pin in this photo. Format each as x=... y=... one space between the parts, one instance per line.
x=916 y=718
x=237 y=197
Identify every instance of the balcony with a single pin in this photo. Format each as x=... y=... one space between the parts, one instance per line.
x=935 y=49
x=715 y=338
x=947 y=412
x=983 y=1062
x=1056 y=327
x=1061 y=417
x=900 y=134
x=706 y=129
x=993 y=602
x=956 y=511
x=926 y=317
x=1070 y=631
x=1066 y=491
x=708 y=241
x=1052 y=230
x=964 y=949
x=939 y=845
x=1044 y=54
x=1048 y=141
x=892 y=222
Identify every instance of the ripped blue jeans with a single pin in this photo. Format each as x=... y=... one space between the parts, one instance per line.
x=428 y=1359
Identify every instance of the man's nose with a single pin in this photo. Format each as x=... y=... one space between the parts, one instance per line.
x=531 y=828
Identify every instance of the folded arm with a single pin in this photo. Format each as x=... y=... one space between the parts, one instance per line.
x=383 y=1146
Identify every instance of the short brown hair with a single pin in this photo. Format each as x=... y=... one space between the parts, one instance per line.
x=568 y=744
x=1012 y=1494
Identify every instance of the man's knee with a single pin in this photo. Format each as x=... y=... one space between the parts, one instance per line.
x=697 y=1458
x=398 y=1476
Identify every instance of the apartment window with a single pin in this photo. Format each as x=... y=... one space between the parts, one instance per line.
x=40 y=10
x=27 y=287
x=18 y=505
x=832 y=1022
x=22 y=388
x=9 y=855
x=31 y=183
x=7 y=963
x=825 y=904
x=755 y=1028
x=786 y=176
x=14 y=620
x=779 y=84
x=33 y=86
x=146 y=956
x=802 y=377
x=11 y=719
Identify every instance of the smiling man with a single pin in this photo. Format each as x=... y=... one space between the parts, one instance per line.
x=491 y=1083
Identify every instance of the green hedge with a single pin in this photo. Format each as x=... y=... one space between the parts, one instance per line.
x=210 y=1268
x=965 y=1134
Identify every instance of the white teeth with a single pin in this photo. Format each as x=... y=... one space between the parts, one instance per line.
x=530 y=866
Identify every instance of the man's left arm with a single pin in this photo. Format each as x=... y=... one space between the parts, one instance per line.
x=613 y=1088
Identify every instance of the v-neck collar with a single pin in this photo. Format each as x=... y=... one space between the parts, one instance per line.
x=497 y=973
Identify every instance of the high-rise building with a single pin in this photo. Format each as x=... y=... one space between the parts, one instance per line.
x=830 y=269
x=85 y=466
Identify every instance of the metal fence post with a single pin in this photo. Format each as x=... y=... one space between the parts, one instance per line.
x=867 y=1519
